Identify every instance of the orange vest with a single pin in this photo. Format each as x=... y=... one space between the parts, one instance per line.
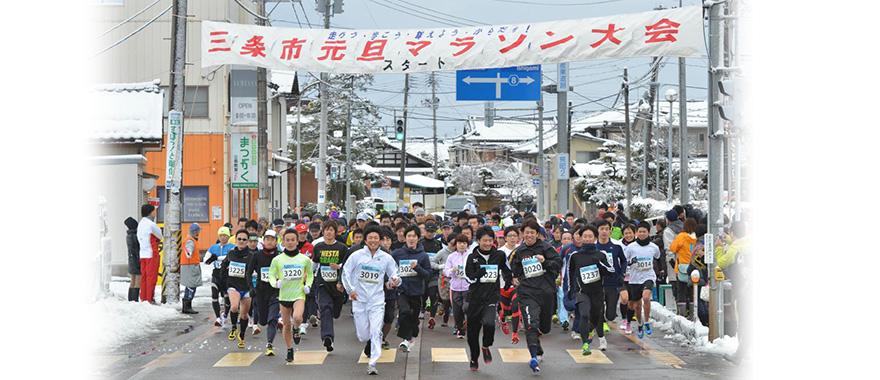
x=194 y=259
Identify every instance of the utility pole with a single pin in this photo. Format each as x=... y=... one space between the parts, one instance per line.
x=262 y=131
x=648 y=127
x=349 y=206
x=562 y=138
x=716 y=171
x=434 y=101
x=682 y=129
x=321 y=169
x=402 y=184
x=298 y=154
x=542 y=207
x=628 y=150
x=173 y=206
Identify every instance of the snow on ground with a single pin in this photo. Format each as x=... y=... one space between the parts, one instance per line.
x=124 y=322
x=688 y=333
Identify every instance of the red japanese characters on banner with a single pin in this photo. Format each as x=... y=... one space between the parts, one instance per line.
x=669 y=32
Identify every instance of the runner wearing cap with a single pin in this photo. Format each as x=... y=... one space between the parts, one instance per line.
x=278 y=227
x=215 y=255
x=446 y=228
x=190 y=270
x=266 y=296
x=233 y=271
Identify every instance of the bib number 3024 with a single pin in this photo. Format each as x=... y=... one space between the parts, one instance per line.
x=369 y=274
x=405 y=269
x=532 y=267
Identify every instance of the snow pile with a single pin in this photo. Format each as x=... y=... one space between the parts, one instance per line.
x=124 y=321
x=689 y=333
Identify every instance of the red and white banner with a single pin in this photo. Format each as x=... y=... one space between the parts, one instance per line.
x=667 y=33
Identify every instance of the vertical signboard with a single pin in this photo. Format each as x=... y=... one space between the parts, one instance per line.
x=563 y=77
x=243 y=151
x=174 y=150
x=562 y=168
x=243 y=97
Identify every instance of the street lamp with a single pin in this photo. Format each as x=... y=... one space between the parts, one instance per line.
x=671 y=97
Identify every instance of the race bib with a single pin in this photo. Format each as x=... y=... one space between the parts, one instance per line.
x=589 y=274
x=369 y=274
x=329 y=274
x=264 y=274
x=610 y=257
x=532 y=267
x=219 y=262
x=236 y=269
x=431 y=255
x=491 y=275
x=645 y=263
x=405 y=269
x=292 y=272
x=460 y=273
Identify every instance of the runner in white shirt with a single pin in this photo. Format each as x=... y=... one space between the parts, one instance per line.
x=640 y=257
x=362 y=277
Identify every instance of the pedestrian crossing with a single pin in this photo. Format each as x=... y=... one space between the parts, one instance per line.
x=438 y=355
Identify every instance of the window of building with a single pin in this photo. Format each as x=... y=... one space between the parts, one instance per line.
x=582 y=157
x=702 y=137
x=195 y=101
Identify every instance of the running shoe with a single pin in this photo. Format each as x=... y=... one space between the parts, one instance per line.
x=454 y=331
x=314 y=321
x=460 y=336
x=628 y=329
x=241 y=343
x=280 y=324
x=648 y=328
x=514 y=339
x=385 y=345
x=555 y=319
x=505 y=328
x=269 y=350
x=303 y=328
x=575 y=335
x=367 y=349
x=603 y=344
x=533 y=364
x=605 y=327
x=422 y=314
x=296 y=338
x=233 y=333
x=487 y=355
x=404 y=345
x=289 y=355
x=444 y=324
x=641 y=332
x=586 y=350
x=540 y=358
x=218 y=322
x=256 y=329
x=474 y=365
x=371 y=369
x=328 y=343
x=431 y=323
x=624 y=324
x=565 y=326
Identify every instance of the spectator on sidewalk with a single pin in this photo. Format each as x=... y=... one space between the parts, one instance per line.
x=149 y=235
x=134 y=262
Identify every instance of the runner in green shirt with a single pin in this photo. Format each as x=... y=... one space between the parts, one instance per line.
x=291 y=273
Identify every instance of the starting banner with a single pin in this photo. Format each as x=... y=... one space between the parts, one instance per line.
x=667 y=33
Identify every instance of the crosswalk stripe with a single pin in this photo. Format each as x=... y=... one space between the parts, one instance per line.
x=309 y=357
x=448 y=355
x=660 y=356
x=238 y=359
x=388 y=356
x=597 y=357
x=515 y=355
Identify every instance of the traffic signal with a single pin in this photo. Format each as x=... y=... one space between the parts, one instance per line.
x=399 y=130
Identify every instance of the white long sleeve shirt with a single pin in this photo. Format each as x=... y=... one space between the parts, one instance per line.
x=146 y=228
x=365 y=272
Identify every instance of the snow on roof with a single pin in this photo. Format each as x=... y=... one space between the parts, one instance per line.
x=127 y=111
x=592 y=170
x=697 y=116
x=503 y=129
x=418 y=180
x=417 y=147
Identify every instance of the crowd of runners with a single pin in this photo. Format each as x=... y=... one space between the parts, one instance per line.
x=508 y=269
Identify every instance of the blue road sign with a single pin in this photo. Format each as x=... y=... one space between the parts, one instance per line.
x=536 y=181
x=509 y=83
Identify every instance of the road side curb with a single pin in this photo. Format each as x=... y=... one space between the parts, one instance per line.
x=413 y=358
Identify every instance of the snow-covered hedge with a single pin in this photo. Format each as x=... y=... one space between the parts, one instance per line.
x=688 y=333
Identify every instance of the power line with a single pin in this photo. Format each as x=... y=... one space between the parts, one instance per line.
x=135 y=32
x=413 y=14
x=128 y=19
x=250 y=11
x=556 y=4
x=295 y=13
x=446 y=14
x=306 y=15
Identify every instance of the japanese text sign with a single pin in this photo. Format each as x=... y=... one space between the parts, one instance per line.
x=669 y=33
x=243 y=148
x=174 y=150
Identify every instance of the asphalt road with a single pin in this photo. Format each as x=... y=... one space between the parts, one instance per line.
x=194 y=348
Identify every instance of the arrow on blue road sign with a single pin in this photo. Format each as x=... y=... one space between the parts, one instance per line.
x=511 y=83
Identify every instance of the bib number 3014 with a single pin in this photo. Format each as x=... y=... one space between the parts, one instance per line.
x=645 y=263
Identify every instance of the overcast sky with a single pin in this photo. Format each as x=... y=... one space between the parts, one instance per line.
x=592 y=80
